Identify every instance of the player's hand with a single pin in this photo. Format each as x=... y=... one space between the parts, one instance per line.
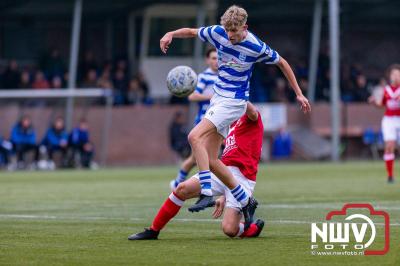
x=165 y=42
x=304 y=104
x=371 y=99
x=219 y=207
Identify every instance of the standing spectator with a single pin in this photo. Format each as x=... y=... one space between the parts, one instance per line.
x=2 y=71
x=11 y=76
x=88 y=63
x=40 y=81
x=144 y=87
x=120 y=87
x=80 y=145
x=361 y=92
x=54 y=64
x=282 y=145
x=178 y=135
x=23 y=138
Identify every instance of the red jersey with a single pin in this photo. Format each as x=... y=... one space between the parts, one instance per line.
x=243 y=146
x=390 y=96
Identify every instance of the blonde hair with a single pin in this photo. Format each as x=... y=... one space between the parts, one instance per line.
x=234 y=16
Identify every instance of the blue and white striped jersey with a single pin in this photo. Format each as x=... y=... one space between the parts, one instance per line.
x=205 y=85
x=235 y=61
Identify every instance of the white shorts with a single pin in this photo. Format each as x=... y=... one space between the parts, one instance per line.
x=223 y=111
x=219 y=189
x=390 y=128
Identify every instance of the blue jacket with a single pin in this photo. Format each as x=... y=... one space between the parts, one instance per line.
x=20 y=135
x=53 y=138
x=282 y=145
x=79 y=137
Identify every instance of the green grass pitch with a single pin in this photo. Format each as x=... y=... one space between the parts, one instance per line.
x=85 y=217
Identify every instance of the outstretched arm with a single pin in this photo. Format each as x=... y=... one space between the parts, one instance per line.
x=374 y=101
x=288 y=72
x=198 y=97
x=180 y=33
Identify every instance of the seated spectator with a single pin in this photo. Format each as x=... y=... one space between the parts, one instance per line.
x=80 y=145
x=25 y=81
x=56 y=82
x=56 y=140
x=5 y=150
x=90 y=79
x=178 y=135
x=135 y=93
x=105 y=81
x=282 y=145
x=23 y=138
x=40 y=81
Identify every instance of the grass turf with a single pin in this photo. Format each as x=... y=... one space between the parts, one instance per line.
x=84 y=218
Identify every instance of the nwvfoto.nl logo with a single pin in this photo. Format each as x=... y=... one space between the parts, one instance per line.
x=352 y=233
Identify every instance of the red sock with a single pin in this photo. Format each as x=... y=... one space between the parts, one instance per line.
x=250 y=231
x=167 y=211
x=389 y=161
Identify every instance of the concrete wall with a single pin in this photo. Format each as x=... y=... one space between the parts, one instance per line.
x=139 y=135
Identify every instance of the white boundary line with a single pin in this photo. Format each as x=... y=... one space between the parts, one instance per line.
x=97 y=218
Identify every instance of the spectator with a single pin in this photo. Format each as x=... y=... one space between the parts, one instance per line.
x=282 y=145
x=105 y=81
x=90 y=79
x=178 y=135
x=40 y=81
x=89 y=62
x=23 y=138
x=280 y=91
x=54 y=64
x=11 y=76
x=144 y=88
x=122 y=65
x=80 y=145
x=56 y=82
x=56 y=140
x=25 y=81
x=135 y=93
x=5 y=150
x=361 y=93
x=120 y=87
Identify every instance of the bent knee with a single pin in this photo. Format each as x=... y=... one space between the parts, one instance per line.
x=194 y=138
x=230 y=229
x=182 y=191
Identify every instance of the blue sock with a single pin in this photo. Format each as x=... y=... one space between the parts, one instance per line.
x=205 y=182
x=180 y=177
x=240 y=195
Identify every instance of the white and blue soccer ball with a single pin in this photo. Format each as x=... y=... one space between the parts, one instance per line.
x=181 y=81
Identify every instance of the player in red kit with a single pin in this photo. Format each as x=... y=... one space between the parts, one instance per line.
x=241 y=155
x=391 y=118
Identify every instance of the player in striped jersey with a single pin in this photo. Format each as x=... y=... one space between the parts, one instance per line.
x=242 y=155
x=238 y=51
x=391 y=119
x=202 y=95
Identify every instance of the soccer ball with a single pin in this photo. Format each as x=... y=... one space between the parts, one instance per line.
x=181 y=81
